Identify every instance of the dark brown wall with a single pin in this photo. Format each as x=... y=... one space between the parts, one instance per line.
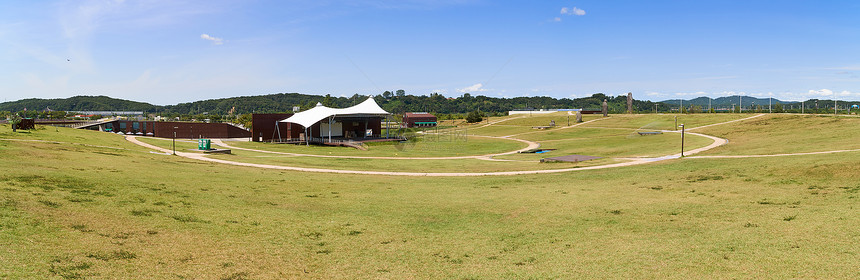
x=263 y=125
x=197 y=130
x=183 y=129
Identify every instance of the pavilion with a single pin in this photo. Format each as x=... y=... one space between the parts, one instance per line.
x=329 y=125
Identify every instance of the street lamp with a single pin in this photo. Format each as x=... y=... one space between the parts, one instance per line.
x=174 y=139
x=682 y=139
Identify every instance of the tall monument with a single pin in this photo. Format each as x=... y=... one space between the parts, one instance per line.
x=605 y=108
x=630 y=103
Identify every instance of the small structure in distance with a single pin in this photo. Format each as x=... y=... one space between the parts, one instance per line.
x=419 y=119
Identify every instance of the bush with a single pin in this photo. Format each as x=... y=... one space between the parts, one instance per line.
x=474 y=116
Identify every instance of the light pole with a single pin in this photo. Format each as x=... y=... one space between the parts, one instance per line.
x=174 y=140
x=682 y=139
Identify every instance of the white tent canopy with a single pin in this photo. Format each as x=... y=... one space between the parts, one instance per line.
x=320 y=112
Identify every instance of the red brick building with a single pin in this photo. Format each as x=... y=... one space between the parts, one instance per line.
x=419 y=119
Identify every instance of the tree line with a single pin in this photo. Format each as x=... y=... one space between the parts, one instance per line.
x=396 y=102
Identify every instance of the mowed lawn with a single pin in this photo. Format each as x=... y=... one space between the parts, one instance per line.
x=787 y=133
x=111 y=209
x=664 y=121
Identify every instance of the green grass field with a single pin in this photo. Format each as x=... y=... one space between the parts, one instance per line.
x=425 y=146
x=795 y=134
x=87 y=204
x=664 y=121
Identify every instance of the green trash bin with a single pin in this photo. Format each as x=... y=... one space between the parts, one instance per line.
x=204 y=144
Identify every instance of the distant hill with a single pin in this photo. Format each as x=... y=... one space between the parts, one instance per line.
x=77 y=103
x=727 y=101
x=284 y=102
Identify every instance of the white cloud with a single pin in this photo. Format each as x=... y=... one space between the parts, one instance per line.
x=473 y=88
x=556 y=19
x=829 y=93
x=215 y=40
x=574 y=11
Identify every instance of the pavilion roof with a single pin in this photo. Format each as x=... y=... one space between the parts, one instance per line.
x=309 y=117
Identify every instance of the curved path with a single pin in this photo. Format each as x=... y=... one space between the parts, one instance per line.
x=633 y=161
x=715 y=124
x=531 y=145
x=778 y=155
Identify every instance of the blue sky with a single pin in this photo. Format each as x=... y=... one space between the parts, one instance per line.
x=167 y=52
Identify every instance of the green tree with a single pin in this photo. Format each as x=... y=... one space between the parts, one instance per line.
x=14 y=120
x=328 y=101
x=474 y=116
x=400 y=93
x=245 y=120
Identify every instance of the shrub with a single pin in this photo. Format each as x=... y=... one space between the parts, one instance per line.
x=474 y=116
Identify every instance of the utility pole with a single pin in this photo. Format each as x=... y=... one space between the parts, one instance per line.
x=834 y=106
x=682 y=139
x=740 y=104
x=174 y=140
x=709 y=104
x=769 y=102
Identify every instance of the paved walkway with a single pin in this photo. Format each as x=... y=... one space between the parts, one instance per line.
x=530 y=145
x=722 y=123
x=632 y=161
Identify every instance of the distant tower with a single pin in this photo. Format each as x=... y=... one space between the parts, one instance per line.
x=605 y=108
x=630 y=103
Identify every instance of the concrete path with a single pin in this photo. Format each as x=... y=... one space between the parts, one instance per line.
x=530 y=145
x=779 y=155
x=632 y=161
x=722 y=123
x=200 y=156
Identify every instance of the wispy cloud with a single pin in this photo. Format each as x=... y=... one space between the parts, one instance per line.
x=716 y=78
x=572 y=11
x=847 y=68
x=829 y=93
x=215 y=40
x=473 y=88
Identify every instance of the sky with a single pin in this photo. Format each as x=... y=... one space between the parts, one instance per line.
x=175 y=51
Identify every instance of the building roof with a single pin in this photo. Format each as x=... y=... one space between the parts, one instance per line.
x=420 y=115
x=320 y=112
